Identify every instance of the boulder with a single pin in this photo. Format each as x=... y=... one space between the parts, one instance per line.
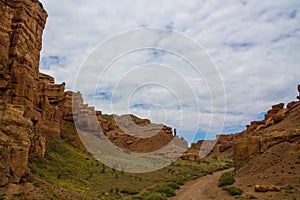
x=266 y=188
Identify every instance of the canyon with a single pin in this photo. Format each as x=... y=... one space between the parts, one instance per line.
x=34 y=110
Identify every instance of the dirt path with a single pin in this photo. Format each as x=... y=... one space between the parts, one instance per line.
x=205 y=187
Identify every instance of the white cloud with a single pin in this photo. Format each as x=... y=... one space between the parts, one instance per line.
x=255 y=46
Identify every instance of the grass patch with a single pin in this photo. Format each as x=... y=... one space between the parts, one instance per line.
x=226 y=179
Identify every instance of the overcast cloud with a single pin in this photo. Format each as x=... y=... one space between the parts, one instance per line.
x=254 y=45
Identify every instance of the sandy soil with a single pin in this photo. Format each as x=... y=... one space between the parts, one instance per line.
x=205 y=187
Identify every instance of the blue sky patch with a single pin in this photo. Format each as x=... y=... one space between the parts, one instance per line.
x=48 y=61
x=237 y=46
x=105 y=96
x=281 y=37
x=141 y=106
x=292 y=14
x=170 y=26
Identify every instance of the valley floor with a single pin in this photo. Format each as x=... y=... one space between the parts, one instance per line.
x=203 y=188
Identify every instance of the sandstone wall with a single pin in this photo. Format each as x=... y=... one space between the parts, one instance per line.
x=223 y=144
x=280 y=125
x=16 y=135
x=21 y=27
x=34 y=108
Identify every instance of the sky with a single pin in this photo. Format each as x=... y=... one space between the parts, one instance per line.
x=247 y=54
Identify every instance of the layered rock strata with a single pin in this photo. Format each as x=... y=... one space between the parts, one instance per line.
x=280 y=125
x=34 y=108
x=16 y=135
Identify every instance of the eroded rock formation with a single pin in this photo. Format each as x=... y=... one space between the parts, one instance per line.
x=21 y=27
x=280 y=125
x=16 y=135
x=273 y=116
x=46 y=110
x=298 y=97
x=209 y=147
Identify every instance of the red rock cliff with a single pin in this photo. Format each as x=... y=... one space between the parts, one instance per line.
x=32 y=106
x=21 y=27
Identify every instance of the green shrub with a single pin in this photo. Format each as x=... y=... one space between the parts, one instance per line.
x=289 y=187
x=226 y=179
x=103 y=168
x=179 y=180
x=252 y=197
x=117 y=191
x=168 y=191
x=130 y=191
x=154 y=196
x=173 y=185
x=233 y=191
x=2 y=196
x=21 y=194
x=36 y=184
x=137 y=197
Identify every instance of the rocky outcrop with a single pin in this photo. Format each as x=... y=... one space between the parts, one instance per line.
x=298 y=97
x=223 y=144
x=266 y=188
x=135 y=134
x=280 y=125
x=273 y=116
x=127 y=131
x=16 y=135
x=49 y=96
x=244 y=149
x=21 y=27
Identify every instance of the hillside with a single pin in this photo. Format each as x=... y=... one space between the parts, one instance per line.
x=266 y=153
x=269 y=154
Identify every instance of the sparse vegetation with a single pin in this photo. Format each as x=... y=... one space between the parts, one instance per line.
x=103 y=168
x=289 y=187
x=234 y=191
x=179 y=180
x=36 y=184
x=21 y=194
x=173 y=185
x=79 y=173
x=2 y=196
x=154 y=196
x=226 y=179
x=168 y=191
x=252 y=197
x=130 y=191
